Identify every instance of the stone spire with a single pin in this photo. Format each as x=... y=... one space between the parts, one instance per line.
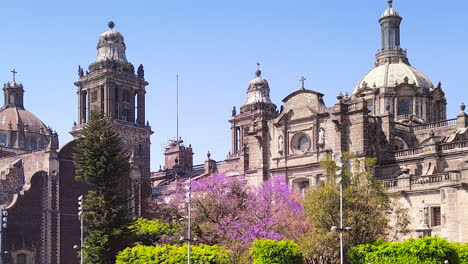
x=390 y=50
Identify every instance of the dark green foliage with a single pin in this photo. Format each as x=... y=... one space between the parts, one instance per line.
x=429 y=250
x=173 y=254
x=100 y=162
x=266 y=251
x=151 y=232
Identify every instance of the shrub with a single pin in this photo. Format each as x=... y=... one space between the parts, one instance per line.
x=173 y=254
x=429 y=250
x=265 y=251
x=462 y=250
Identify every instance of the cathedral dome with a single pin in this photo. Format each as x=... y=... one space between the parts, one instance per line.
x=16 y=115
x=111 y=45
x=389 y=75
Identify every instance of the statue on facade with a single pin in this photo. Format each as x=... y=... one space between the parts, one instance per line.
x=280 y=144
x=141 y=71
x=234 y=111
x=80 y=71
x=321 y=137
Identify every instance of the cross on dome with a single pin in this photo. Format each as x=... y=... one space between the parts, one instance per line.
x=302 y=79
x=390 y=3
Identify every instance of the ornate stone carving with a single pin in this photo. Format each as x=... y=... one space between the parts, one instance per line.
x=141 y=71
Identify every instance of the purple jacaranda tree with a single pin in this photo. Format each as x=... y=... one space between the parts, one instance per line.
x=228 y=212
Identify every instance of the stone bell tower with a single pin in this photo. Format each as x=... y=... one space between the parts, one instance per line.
x=112 y=87
x=250 y=132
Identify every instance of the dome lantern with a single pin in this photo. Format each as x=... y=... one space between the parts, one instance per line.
x=111 y=45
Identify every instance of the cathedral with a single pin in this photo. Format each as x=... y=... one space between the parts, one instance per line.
x=395 y=114
x=37 y=182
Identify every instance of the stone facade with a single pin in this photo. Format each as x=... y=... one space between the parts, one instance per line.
x=394 y=114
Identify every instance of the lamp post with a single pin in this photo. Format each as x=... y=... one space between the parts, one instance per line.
x=340 y=229
x=189 y=235
x=3 y=224
x=189 y=218
x=178 y=170
x=80 y=215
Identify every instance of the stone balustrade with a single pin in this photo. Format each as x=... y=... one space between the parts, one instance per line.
x=416 y=183
x=433 y=125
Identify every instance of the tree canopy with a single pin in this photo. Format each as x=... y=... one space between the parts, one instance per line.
x=366 y=206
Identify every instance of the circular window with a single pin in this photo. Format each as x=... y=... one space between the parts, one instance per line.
x=304 y=144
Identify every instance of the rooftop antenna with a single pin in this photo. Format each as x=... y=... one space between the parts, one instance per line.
x=177 y=105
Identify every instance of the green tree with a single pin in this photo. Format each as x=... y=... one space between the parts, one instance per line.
x=100 y=162
x=153 y=232
x=266 y=251
x=366 y=206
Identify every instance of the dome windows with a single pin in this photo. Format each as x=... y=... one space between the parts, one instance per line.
x=404 y=106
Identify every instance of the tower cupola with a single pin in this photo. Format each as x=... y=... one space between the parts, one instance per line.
x=390 y=34
x=13 y=93
x=258 y=93
x=111 y=45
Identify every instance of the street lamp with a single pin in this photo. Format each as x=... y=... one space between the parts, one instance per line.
x=179 y=170
x=189 y=218
x=80 y=215
x=3 y=224
x=340 y=229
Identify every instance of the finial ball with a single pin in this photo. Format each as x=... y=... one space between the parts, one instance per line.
x=258 y=73
x=111 y=24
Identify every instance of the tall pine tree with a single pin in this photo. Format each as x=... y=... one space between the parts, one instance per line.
x=100 y=162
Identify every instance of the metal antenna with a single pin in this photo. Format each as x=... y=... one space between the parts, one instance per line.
x=177 y=105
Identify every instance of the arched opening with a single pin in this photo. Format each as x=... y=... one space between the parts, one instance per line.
x=102 y=98
x=116 y=103
x=84 y=106
x=21 y=258
x=136 y=98
x=237 y=136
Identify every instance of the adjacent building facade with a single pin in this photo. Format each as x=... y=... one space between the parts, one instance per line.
x=37 y=178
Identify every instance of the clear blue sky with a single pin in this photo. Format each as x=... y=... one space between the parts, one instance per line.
x=213 y=46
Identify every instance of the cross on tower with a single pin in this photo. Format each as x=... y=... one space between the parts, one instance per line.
x=302 y=79
x=14 y=74
x=390 y=3
x=258 y=66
